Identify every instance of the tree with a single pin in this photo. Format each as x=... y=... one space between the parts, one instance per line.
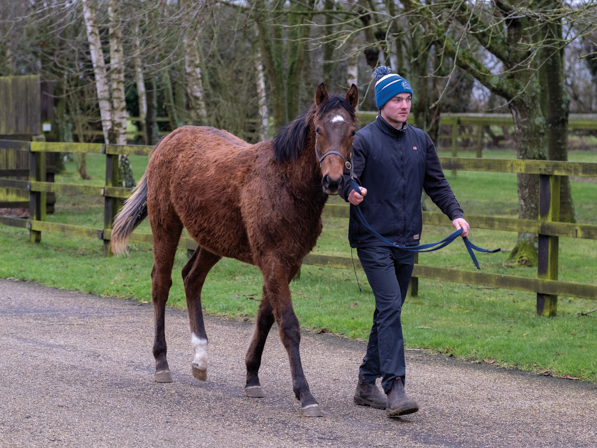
x=112 y=103
x=511 y=33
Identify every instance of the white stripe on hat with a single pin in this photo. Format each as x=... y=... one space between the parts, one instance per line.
x=386 y=77
x=389 y=84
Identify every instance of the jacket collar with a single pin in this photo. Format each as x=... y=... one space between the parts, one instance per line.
x=388 y=129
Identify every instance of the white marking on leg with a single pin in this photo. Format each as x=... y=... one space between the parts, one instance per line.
x=200 y=346
x=337 y=118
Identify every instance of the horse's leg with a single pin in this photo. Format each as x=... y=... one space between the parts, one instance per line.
x=263 y=324
x=193 y=275
x=275 y=279
x=165 y=243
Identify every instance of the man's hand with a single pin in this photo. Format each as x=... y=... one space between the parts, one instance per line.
x=460 y=223
x=355 y=198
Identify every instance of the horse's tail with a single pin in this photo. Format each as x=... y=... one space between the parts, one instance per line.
x=133 y=212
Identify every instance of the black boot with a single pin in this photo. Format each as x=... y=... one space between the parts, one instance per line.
x=398 y=402
x=369 y=395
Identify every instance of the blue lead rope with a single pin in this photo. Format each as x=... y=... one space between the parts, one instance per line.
x=430 y=247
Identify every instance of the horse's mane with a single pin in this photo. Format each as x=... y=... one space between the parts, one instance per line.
x=291 y=139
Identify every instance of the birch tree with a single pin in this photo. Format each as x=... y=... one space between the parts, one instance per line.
x=99 y=68
x=118 y=94
x=140 y=81
x=261 y=97
x=112 y=104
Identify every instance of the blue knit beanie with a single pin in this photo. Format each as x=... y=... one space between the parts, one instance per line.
x=388 y=85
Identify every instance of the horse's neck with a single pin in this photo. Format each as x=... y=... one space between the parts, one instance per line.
x=303 y=177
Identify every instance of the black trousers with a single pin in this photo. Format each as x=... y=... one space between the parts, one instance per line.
x=389 y=271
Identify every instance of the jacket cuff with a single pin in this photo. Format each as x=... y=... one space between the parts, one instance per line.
x=456 y=215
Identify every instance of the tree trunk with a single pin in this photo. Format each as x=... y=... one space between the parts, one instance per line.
x=169 y=99
x=118 y=94
x=141 y=93
x=152 y=106
x=352 y=68
x=419 y=72
x=328 y=44
x=194 y=81
x=180 y=94
x=296 y=51
x=529 y=125
x=261 y=98
x=99 y=69
x=558 y=106
x=272 y=51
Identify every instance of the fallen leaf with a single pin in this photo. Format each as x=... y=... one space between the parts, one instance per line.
x=568 y=377
x=489 y=361
x=323 y=330
x=547 y=373
x=354 y=304
x=236 y=295
x=234 y=278
x=447 y=350
x=474 y=351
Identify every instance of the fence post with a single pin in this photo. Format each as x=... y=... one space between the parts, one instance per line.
x=454 y=138
x=480 y=141
x=414 y=281
x=37 y=199
x=547 y=268
x=110 y=203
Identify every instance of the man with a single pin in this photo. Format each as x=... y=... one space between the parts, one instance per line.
x=393 y=162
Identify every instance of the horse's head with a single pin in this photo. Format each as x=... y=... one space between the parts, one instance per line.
x=335 y=126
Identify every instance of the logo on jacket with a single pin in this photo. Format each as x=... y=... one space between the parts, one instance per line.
x=415 y=148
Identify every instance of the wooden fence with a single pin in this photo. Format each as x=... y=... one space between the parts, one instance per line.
x=546 y=285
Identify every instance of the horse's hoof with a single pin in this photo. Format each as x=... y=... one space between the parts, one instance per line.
x=201 y=375
x=254 y=392
x=313 y=410
x=163 y=376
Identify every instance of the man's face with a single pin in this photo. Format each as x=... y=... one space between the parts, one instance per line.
x=397 y=109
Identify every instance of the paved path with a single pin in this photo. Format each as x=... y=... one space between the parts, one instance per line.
x=77 y=370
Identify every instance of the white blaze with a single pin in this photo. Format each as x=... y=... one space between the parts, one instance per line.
x=337 y=118
x=200 y=346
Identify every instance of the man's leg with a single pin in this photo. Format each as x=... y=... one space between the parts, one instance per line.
x=385 y=350
x=403 y=264
x=398 y=402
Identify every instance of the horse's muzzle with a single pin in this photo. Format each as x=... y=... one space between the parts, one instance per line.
x=331 y=186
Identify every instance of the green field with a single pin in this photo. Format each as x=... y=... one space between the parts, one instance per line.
x=469 y=322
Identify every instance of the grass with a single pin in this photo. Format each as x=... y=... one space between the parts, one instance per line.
x=469 y=322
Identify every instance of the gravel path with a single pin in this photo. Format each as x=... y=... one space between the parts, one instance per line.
x=77 y=370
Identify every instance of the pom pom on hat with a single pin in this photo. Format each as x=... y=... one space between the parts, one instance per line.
x=388 y=85
x=381 y=71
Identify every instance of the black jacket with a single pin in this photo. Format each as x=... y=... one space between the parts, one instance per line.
x=395 y=166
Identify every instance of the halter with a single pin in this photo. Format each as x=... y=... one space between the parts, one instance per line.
x=347 y=163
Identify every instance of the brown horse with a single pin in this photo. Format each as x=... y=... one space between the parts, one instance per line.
x=260 y=204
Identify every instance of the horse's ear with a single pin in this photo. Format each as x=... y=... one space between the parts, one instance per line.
x=321 y=94
x=352 y=96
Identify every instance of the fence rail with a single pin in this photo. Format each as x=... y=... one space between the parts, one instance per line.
x=546 y=285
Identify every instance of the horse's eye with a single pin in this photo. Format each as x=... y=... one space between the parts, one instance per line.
x=318 y=131
x=352 y=133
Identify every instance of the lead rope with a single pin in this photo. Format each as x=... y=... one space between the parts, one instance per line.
x=430 y=247
x=355 y=271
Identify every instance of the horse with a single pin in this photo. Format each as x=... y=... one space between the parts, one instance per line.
x=260 y=204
